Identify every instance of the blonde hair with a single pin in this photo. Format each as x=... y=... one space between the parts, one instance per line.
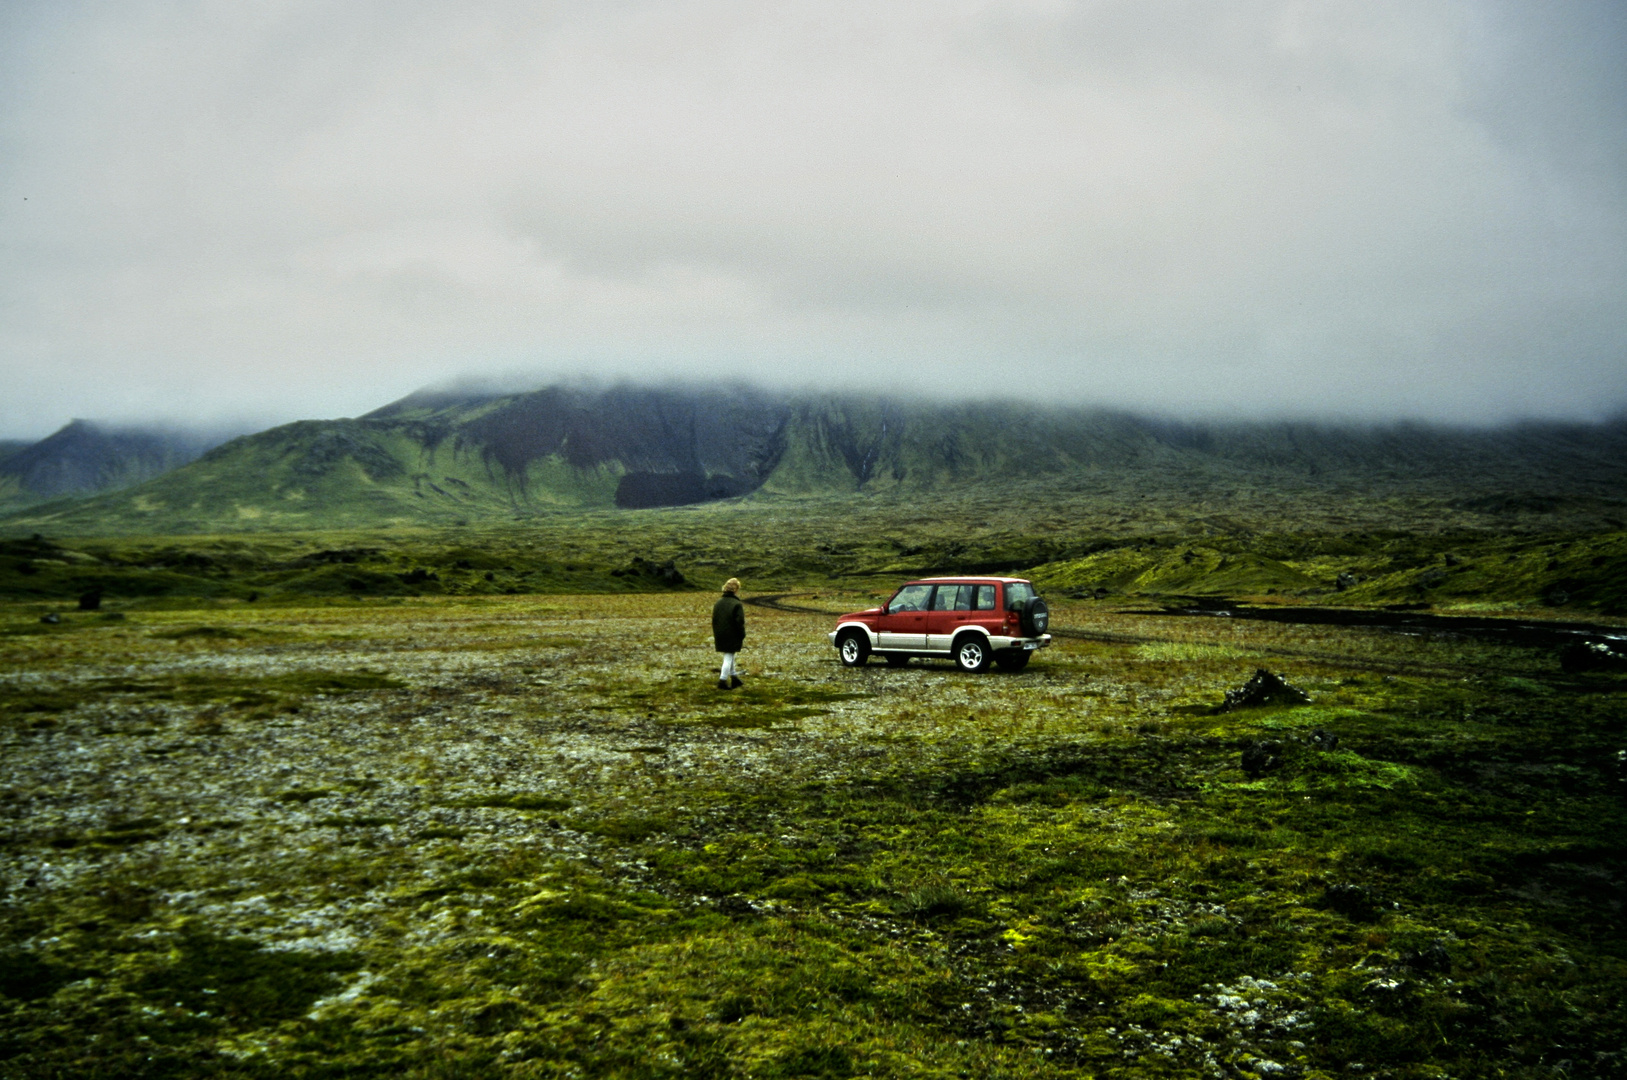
x=732 y=585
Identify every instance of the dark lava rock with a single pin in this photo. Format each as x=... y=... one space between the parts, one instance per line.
x=1345 y=581
x=342 y=555
x=665 y=573
x=1355 y=902
x=91 y=601
x=1592 y=656
x=1325 y=741
x=1260 y=758
x=51 y=617
x=1431 y=958
x=1264 y=688
x=735 y=904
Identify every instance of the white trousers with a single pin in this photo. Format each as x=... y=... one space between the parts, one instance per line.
x=728 y=667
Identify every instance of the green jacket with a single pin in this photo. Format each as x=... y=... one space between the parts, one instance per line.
x=729 y=623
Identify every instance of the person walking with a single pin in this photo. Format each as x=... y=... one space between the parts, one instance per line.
x=729 y=631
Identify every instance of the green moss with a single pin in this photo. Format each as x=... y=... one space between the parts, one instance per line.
x=304 y=795
x=267 y=695
x=627 y=828
x=1053 y=875
x=241 y=982
x=24 y=976
x=521 y=800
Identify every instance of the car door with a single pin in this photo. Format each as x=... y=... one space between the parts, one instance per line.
x=985 y=610
x=951 y=609
x=903 y=624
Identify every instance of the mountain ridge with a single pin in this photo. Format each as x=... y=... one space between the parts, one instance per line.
x=440 y=457
x=85 y=457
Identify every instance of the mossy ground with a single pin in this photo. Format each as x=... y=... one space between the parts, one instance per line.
x=1313 y=551
x=527 y=836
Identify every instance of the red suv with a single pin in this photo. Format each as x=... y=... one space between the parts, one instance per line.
x=971 y=620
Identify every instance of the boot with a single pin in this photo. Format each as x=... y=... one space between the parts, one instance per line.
x=723 y=684
x=734 y=681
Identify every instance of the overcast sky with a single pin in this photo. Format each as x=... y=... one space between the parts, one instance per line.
x=290 y=209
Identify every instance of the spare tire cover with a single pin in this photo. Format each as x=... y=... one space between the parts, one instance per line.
x=1036 y=617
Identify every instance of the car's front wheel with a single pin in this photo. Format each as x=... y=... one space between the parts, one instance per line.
x=853 y=649
x=971 y=654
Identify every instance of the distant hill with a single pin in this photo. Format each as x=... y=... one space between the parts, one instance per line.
x=85 y=458
x=441 y=458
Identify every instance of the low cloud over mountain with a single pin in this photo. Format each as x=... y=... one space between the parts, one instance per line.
x=1359 y=208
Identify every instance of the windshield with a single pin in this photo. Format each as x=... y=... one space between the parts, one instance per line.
x=910 y=598
x=1018 y=593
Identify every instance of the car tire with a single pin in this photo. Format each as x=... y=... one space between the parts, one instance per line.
x=896 y=659
x=971 y=654
x=1012 y=661
x=1036 y=617
x=853 y=648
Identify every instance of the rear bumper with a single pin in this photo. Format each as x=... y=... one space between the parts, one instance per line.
x=1020 y=644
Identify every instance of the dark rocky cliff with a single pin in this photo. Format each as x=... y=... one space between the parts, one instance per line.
x=677 y=446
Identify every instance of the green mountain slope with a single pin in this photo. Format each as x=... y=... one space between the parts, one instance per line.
x=443 y=459
x=327 y=474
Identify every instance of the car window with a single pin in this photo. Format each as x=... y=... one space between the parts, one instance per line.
x=985 y=598
x=1018 y=593
x=910 y=598
x=953 y=598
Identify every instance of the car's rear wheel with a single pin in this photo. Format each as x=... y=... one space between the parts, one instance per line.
x=896 y=659
x=853 y=648
x=972 y=654
x=1012 y=661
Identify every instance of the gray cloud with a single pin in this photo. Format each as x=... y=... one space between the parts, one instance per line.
x=1366 y=208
